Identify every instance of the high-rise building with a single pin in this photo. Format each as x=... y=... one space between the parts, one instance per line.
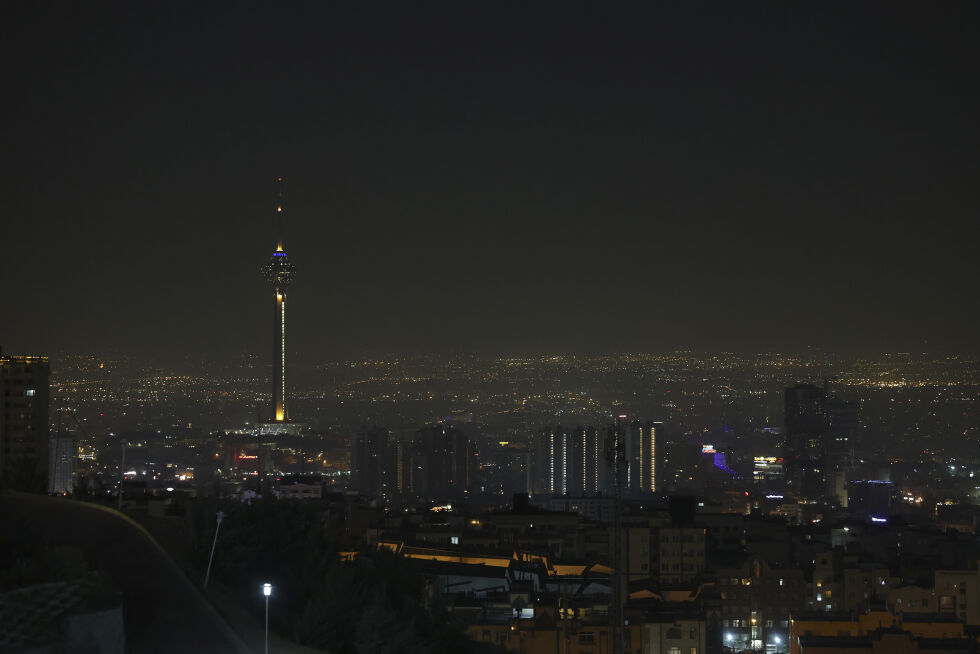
x=805 y=439
x=550 y=461
x=585 y=462
x=643 y=456
x=279 y=271
x=24 y=421
x=819 y=440
x=443 y=463
x=682 y=463
x=842 y=431
x=62 y=450
x=375 y=470
x=540 y=463
x=366 y=456
x=574 y=463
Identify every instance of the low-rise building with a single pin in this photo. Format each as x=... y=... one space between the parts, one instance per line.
x=682 y=554
x=886 y=641
x=678 y=635
x=754 y=604
x=958 y=593
x=301 y=492
x=817 y=631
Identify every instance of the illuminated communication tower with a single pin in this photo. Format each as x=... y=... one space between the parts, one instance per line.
x=279 y=271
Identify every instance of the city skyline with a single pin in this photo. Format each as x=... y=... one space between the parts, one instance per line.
x=639 y=329
x=735 y=486
x=495 y=180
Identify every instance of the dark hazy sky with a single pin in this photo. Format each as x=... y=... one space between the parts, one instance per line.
x=498 y=176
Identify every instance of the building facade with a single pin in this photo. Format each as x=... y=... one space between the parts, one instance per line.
x=24 y=426
x=62 y=450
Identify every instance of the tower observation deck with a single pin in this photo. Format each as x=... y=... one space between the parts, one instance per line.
x=279 y=272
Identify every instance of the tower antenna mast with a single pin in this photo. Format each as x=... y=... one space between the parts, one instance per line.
x=280 y=210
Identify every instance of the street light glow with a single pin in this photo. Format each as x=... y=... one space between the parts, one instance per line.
x=267 y=590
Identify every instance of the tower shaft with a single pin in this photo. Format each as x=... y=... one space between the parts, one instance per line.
x=279 y=379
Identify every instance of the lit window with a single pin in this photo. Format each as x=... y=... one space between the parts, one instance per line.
x=29 y=392
x=454 y=540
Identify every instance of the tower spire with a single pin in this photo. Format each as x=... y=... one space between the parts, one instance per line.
x=280 y=209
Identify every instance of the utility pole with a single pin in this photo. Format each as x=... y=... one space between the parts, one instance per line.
x=122 y=474
x=616 y=457
x=207 y=575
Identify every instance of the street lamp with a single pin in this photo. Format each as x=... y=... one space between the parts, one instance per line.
x=267 y=590
x=207 y=574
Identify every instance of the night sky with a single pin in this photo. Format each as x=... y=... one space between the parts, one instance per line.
x=497 y=178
